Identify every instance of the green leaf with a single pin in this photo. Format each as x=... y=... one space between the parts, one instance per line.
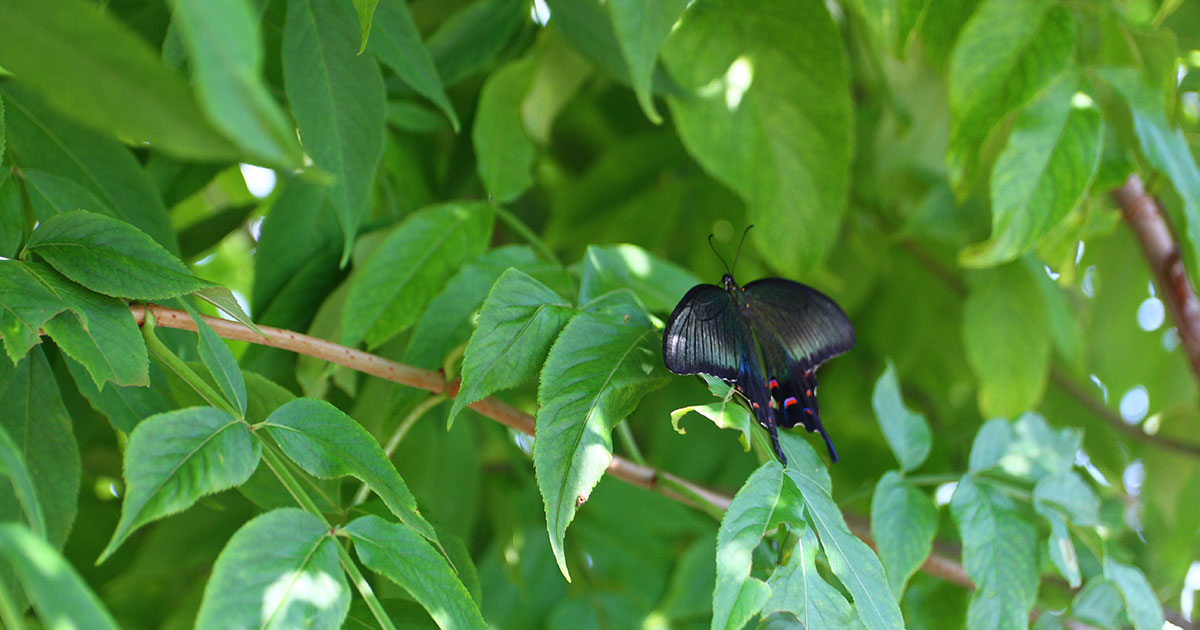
x=1007 y=53
x=207 y=233
x=641 y=28
x=111 y=257
x=1164 y=146
x=1029 y=448
x=366 y=16
x=1065 y=329
x=398 y=553
x=738 y=596
x=220 y=362
x=124 y=407
x=300 y=225
x=769 y=117
x=998 y=554
x=1068 y=492
x=12 y=466
x=51 y=194
x=903 y=523
x=658 y=283
x=597 y=371
x=1062 y=548
x=851 y=560
x=279 y=571
x=226 y=57
x=1041 y=175
x=992 y=442
x=96 y=330
x=1007 y=348
x=474 y=35
x=797 y=588
x=398 y=44
x=1140 y=602
x=401 y=276
x=519 y=320
x=337 y=97
x=503 y=151
x=104 y=75
x=1099 y=603
x=175 y=458
x=906 y=432
x=12 y=214
x=327 y=443
x=61 y=598
x=48 y=142
x=224 y=299
x=894 y=20
x=723 y=414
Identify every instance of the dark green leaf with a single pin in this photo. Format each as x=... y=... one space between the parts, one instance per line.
x=61 y=598
x=739 y=596
x=903 y=523
x=45 y=140
x=503 y=151
x=402 y=275
x=327 y=443
x=12 y=466
x=220 y=362
x=279 y=571
x=1007 y=52
x=519 y=320
x=102 y=74
x=851 y=560
x=597 y=371
x=51 y=194
x=398 y=553
x=398 y=44
x=998 y=554
x=1042 y=174
x=12 y=215
x=337 y=97
x=1007 y=348
x=641 y=28
x=111 y=257
x=474 y=35
x=770 y=117
x=300 y=225
x=906 y=432
x=1140 y=602
x=175 y=458
x=124 y=407
x=797 y=588
x=206 y=233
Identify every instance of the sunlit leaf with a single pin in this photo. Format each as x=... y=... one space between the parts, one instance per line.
x=738 y=596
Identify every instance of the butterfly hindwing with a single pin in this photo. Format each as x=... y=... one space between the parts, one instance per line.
x=797 y=319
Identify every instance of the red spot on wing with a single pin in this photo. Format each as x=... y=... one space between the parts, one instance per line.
x=789 y=402
x=754 y=404
x=808 y=393
x=773 y=384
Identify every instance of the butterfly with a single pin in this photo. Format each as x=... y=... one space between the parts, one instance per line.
x=767 y=338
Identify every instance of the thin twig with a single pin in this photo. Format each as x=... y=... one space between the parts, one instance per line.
x=1143 y=213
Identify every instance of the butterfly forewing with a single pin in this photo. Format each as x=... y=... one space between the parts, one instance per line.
x=704 y=336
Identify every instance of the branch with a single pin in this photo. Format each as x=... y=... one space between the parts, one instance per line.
x=939 y=564
x=1097 y=406
x=1145 y=216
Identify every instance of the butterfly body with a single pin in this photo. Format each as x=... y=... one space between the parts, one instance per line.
x=767 y=338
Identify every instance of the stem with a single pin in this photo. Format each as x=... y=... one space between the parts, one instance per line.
x=8 y=612
x=518 y=226
x=405 y=426
x=625 y=434
x=176 y=365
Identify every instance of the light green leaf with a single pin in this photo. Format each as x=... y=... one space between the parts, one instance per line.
x=1164 y=146
x=175 y=458
x=503 y=151
x=398 y=553
x=1099 y=603
x=1065 y=329
x=903 y=523
x=1041 y=175
x=103 y=74
x=797 y=587
x=111 y=257
x=279 y=571
x=658 y=283
x=641 y=28
x=725 y=414
x=1140 y=602
x=61 y=598
x=337 y=97
x=1007 y=348
x=49 y=142
x=519 y=320
x=597 y=371
x=327 y=443
x=770 y=117
x=404 y=272
x=738 y=596
x=993 y=440
x=366 y=14
x=894 y=20
x=398 y=44
x=1062 y=548
x=1007 y=52
x=1068 y=492
x=225 y=54
x=223 y=298
x=906 y=432
x=220 y=362
x=12 y=466
x=851 y=560
x=998 y=554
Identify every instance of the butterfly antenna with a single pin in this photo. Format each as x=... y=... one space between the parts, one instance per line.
x=714 y=248
x=739 y=249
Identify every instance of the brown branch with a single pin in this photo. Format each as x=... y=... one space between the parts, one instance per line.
x=1145 y=216
x=1097 y=406
x=940 y=564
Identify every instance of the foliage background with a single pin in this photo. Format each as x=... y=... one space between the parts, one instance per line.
x=943 y=170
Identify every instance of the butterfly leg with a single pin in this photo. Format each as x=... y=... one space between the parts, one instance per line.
x=774 y=429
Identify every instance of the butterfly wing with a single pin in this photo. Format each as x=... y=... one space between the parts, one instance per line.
x=797 y=328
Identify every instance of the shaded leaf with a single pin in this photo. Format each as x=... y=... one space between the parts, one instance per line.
x=208 y=232
x=175 y=458
x=894 y=20
x=641 y=28
x=279 y=571
x=903 y=524
x=797 y=588
x=12 y=214
x=906 y=432
x=220 y=362
x=124 y=407
x=473 y=36
x=51 y=194
x=12 y=466
x=61 y=598
x=503 y=151
x=398 y=45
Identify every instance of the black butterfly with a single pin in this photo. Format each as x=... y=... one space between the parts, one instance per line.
x=767 y=338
